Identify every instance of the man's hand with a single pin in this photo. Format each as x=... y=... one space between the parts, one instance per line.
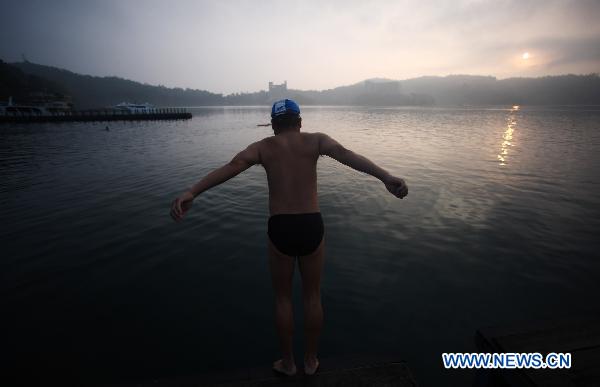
x=181 y=205
x=396 y=186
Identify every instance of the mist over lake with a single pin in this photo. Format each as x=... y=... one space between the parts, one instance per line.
x=500 y=225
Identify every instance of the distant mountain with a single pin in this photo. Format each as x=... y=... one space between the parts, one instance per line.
x=93 y=92
x=477 y=90
x=453 y=90
x=19 y=85
x=461 y=90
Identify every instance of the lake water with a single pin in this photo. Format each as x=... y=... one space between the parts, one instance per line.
x=500 y=225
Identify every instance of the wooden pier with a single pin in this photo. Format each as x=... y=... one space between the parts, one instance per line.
x=580 y=337
x=99 y=115
x=350 y=372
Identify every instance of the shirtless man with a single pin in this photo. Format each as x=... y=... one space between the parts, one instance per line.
x=295 y=227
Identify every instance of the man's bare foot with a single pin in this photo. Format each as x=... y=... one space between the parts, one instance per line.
x=286 y=369
x=311 y=366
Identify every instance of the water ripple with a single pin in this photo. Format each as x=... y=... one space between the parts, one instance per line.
x=86 y=229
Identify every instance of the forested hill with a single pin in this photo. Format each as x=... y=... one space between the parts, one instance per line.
x=454 y=90
x=92 y=92
x=18 y=84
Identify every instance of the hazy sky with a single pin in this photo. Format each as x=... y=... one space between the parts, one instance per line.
x=232 y=46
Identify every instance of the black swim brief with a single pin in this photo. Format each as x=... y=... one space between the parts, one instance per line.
x=296 y=234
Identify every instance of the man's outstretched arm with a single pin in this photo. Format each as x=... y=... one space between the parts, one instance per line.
x=242 y=161
x=328 y=146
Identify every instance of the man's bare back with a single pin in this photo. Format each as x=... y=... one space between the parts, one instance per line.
x=290 y=160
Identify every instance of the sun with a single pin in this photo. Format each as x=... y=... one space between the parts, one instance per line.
x=525 y=55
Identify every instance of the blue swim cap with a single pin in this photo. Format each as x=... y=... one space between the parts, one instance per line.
x=285 y=106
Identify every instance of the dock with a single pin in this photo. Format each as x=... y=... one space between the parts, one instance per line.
x=350 y=372
x=578 y=336
x=98 y=115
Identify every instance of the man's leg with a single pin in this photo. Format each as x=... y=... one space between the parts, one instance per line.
x=282 y=272
x=311 y=267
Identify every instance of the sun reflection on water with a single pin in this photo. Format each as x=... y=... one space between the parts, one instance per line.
x=507 y=136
